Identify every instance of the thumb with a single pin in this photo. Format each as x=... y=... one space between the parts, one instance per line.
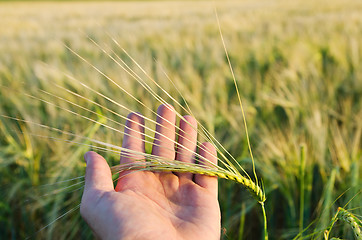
x=98 y=174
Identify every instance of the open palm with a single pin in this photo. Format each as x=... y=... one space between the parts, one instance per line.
x=153 y=205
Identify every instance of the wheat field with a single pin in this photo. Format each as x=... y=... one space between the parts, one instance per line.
x=298 y=66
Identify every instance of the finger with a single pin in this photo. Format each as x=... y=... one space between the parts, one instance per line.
x=187 y=138
x=134 y=147
x=98 y=174
x=208 y=151
x=164 y=143
x=133 y=139
x=98 y=181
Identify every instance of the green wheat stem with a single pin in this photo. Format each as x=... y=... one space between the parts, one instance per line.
x=242 y=221
x=302 y=171
x=265 y=221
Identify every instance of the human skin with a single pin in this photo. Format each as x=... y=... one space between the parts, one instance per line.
x=153 y=205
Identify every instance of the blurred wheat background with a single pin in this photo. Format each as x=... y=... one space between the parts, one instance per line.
x=298 y=65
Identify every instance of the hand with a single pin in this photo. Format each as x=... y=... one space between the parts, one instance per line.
x=153 y=205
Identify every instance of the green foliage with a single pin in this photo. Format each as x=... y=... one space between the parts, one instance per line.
x=298 y=68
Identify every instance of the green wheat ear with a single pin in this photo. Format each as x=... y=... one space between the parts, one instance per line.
x=156 y=164
x=350 y=219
